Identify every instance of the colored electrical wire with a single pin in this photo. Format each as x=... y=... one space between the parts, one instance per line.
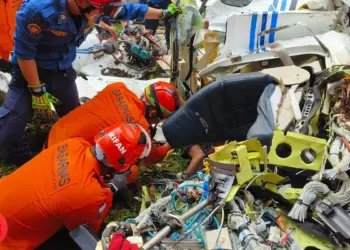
x=173 y=198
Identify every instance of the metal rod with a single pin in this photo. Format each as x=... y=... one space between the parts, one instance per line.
x=195 y=209
x=157 y=238
x=167 y=229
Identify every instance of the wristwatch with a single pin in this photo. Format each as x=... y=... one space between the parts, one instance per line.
x=37 y=90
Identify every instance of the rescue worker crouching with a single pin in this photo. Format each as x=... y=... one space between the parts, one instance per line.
x=63 y=186
x=116 y=104
x=46 y=36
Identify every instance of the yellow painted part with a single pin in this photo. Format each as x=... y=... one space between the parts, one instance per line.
x=250 y=212
x=223 y=153
x=145 y=196
x=254 y=145
x=305 y=239
x=255 y=163
x=206 y=167
x=245 y=174
x=298 y=143
x=293 y=193
x=233 y=191
x=272 y=188
x=270 y=178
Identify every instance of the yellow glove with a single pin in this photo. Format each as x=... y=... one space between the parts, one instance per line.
x=42 y=100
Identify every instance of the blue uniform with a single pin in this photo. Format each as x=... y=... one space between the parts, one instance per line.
x=48 y=34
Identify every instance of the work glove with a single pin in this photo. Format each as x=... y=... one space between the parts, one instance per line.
x=119 y=242
x=334 y=73
x=182 y=176
x=118 y=182
x=113 y=237
x=171 y=12
x=42 y=100
x=5 y=66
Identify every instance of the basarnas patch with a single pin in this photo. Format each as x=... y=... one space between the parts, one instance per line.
x=34 y=29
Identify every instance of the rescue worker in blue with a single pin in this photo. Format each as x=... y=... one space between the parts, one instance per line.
x=46 y=36
x=153 y=24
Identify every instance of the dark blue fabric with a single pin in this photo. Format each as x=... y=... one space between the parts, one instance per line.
x=54 y=46
x=223 y=110
x=16 y=111
x=152 y=24
x=131 y=11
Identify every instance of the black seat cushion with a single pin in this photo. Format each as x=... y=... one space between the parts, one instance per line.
x=223 y=110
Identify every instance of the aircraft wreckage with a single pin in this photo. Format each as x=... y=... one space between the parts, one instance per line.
x=269 y=79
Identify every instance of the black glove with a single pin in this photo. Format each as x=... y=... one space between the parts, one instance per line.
x=334 y=73
x=118 y=182
x=5 y=66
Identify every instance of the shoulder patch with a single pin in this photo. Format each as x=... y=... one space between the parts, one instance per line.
x=34 y=29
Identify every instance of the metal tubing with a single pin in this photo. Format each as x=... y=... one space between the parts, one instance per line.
x=167 y=229
x=195 y=209
x=157 y=238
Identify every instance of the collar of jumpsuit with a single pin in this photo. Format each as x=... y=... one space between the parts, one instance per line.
x=46 y=32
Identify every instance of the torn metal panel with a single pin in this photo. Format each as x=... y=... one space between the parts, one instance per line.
x=303 y=46
x=218 y=12
x=248 y=25
x=338 y=45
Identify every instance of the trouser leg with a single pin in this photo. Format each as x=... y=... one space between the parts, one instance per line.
x=152 y=24
x=167 y=33
x=62 y=85
x=15 y=112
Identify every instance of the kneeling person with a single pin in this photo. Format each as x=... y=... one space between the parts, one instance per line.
x=63 y=186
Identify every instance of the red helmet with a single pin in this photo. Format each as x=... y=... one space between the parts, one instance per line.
x=163 y=96
x=123 y=145
x=99 y=3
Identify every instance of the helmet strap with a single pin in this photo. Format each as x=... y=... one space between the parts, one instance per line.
x=153 y=130
x=99 y=153
x=156 y=102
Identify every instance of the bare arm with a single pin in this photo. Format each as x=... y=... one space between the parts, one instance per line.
x=30 y=71
x=197 y=155
x=153 y=13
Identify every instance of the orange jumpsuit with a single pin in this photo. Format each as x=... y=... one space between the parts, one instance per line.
x=8 y=11
x=114 y=104
x=60 y=187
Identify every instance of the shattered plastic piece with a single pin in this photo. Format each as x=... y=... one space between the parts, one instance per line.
x=274 y=235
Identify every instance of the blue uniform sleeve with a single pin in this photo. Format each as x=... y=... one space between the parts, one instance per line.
x=131 y=11
x=28 y=32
